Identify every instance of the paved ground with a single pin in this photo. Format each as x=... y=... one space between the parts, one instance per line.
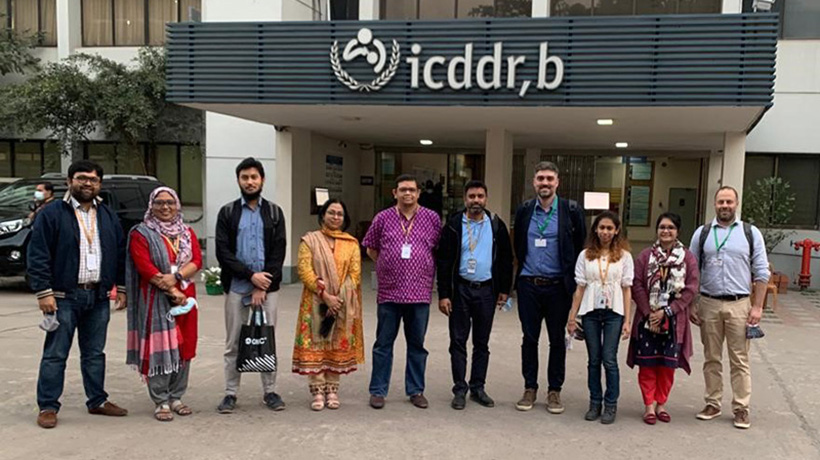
x=786 y=408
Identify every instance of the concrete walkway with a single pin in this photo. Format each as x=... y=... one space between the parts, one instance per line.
x=785 y=417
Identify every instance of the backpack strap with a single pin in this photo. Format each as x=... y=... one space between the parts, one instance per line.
x=704 y=234
x=747 y=230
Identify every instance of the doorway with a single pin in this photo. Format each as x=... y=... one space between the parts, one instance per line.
x=684 y=202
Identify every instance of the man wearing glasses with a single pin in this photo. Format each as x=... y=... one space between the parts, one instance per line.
x=402 y=241
x=76 y=255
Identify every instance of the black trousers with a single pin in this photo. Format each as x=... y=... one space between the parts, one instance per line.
x=537 y=304
x=472 y=308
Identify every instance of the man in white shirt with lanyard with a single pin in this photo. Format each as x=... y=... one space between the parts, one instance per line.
x=732 y=259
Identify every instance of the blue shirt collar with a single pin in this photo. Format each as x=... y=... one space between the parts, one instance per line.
x=245 y=202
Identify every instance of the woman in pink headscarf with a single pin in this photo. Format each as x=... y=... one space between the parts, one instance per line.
x=163 y=257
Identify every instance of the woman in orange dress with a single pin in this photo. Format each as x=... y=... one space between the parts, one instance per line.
x=329 y=326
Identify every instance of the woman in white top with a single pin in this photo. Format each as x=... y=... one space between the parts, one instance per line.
x=602 y=300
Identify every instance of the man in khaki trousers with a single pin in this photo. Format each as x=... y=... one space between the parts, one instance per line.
x=732 y=259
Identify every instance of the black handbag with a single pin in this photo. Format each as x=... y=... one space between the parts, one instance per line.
x=327 y=320
x=257 y=344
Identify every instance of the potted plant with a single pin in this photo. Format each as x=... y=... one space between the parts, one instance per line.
x=213 y=283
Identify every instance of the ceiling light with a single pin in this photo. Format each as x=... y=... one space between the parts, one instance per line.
x=426 y=142
x=605 y=122
x=621 y=145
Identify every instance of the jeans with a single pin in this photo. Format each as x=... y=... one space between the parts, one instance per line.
x=88 y=314
x=472 y=309
x=602 y=329
x=389 y=316
x=535 y=305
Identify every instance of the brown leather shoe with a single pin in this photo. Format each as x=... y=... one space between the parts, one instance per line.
x=742 y=419
x=419 y=401
x=110 y=409
x=526 y=402
x=708 y=413
x=47 y=418
x=554 y=405
x=376 y=402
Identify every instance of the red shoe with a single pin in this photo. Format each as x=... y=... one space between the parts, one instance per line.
x=664 y=416
x=650 y=419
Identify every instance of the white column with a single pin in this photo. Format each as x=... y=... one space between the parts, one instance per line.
x=368 y=10
x=713 y=181
x=734 y=161
x=293 y=160
x=732 y=6
x=540 y=8
x=69 y=27
x=498 y=167
x=228 y=141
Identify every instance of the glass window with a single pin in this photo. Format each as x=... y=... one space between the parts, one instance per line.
x=5 y=159
x=52 y=161
x=24 y=16
x=344 y=10
x=399 y=9
x=98 y=25
x=18 y=195
x=167 y=165
x=5 y=18
x=104 y=154
x=801 y=172
x=27 y=159
x=130 y=160
x=757 y=167
x=475 y=9
x=437 y=9
x=571 y=8
x=48 y=22
x=656 y=6
x=129 y=22
x=129 y=197
x=613 y=7
x=191 y=166
x=801 y=19
x=160 y=12
x=700 y=6
x=513 y=8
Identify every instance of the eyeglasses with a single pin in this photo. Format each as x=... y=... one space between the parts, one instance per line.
x=335 y=214
x=163 y=203
x=664 y=227
x=87 y=180
x=408 y=190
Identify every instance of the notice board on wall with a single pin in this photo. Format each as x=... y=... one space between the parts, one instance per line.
x=639 y=194
x=334 y=175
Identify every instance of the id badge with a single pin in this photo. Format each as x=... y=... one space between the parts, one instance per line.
x=663 y=299
x=91 y=262
x=600 y=301
x=717 y=262
x=471 y=266
x=540 y=242
x=405 y=251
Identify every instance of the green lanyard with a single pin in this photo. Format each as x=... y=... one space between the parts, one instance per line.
x=720 y=246
x=542 y=227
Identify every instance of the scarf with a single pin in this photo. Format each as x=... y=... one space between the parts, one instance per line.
x=176 y=228
x=152 y=343
x=676 y=278
x=324 y=265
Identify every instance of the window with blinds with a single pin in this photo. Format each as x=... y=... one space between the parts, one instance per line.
x=132 y=22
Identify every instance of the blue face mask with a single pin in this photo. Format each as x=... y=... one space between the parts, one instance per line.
x=182 y=309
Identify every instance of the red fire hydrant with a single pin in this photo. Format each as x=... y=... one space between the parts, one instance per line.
x=805 y=269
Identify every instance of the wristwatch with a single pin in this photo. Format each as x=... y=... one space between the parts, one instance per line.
x=178 y=276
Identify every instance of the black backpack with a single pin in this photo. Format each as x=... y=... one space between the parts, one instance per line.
x=704 y=233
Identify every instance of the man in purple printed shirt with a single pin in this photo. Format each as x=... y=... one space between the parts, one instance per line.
x=402 y=241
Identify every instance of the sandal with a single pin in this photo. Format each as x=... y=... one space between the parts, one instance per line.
x=650 y=419
x=163 y=413
x=664 y=416
x=180 y=408
x=333 y=401
x=318 y=402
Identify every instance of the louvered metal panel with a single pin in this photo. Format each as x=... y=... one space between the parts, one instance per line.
x=673 y=60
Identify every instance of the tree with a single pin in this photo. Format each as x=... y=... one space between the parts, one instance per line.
x=769 y=205
x=506 y=9
x=15 y=50
x=60 y=99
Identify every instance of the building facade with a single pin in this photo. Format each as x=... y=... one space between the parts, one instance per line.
x=688 y=86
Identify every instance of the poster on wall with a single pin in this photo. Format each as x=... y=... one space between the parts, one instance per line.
x=639 y=197
x=334 y=175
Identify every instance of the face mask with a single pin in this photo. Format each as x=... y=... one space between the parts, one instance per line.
x=181 y=309
x=39 y=196
x=49 y=323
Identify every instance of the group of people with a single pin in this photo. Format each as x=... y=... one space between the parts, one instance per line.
x=581 y=287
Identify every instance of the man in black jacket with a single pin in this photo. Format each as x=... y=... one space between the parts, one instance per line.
x=76 y=255
x=250 y=247
x=549 y=236
x=474 y=276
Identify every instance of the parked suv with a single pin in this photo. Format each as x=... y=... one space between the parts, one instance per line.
x=127 y=195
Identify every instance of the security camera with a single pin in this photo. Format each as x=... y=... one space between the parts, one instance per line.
x=762 y=5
